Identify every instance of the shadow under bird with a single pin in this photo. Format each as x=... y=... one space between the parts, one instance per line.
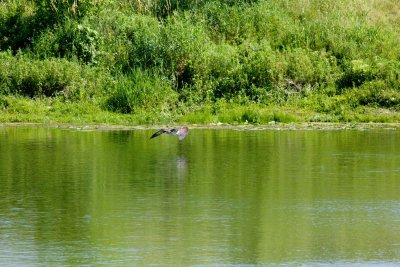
x=180 y=132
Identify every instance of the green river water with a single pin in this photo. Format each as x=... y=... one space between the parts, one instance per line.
x=220 y=197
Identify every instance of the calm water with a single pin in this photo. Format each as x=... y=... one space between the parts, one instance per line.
x=218 y=198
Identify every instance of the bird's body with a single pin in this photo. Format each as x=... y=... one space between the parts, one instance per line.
x=180 y=132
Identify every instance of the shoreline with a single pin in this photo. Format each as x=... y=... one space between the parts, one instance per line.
x=252 y=127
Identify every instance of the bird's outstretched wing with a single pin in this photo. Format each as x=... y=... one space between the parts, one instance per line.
x=158 y=133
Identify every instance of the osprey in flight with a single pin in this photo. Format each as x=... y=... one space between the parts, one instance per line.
x=180 y=132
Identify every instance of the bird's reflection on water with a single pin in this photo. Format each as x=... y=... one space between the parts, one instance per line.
x=181 y=168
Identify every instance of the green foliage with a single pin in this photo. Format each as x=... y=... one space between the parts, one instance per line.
x=223 y=70
x=52 y=12
x=174 y=56
x=374 y=94
x=15 y=29
x=251 y=113
x=165 y=8
x=183 y=46
x=70 y=40
x=311 y=67
x=356 y=72
x=21 y=22
x=50 y=77
x=141 y=91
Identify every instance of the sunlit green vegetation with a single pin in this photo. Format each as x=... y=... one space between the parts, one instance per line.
x=199 y=61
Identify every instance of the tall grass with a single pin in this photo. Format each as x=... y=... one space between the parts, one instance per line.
x=22 y=75
x=141 y=90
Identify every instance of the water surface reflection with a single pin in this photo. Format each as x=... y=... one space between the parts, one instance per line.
x=225 y=197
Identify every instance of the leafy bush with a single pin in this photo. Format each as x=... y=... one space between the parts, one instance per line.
x=183 y=46
x=311 y=68
x=223 y=69
x=356 y=72
x=15 y=26
x=21 y=22
x=50 y=77
x=71 y=40
x=128 y=41
x=141 y=90
x=375 y=94
x=261 y=64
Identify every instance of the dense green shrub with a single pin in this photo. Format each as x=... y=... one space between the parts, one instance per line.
x=261 y=64
x=223 y=70
x=375 y=94
x=356 y=72
x=128 y=41
x=15 y=26
x=21 y=22
x=141 y=90
x=183 y=46
x=50 y=77
x=70 y=40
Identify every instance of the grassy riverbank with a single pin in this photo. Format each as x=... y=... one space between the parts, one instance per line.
x=191 y=61
x=49 y=110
